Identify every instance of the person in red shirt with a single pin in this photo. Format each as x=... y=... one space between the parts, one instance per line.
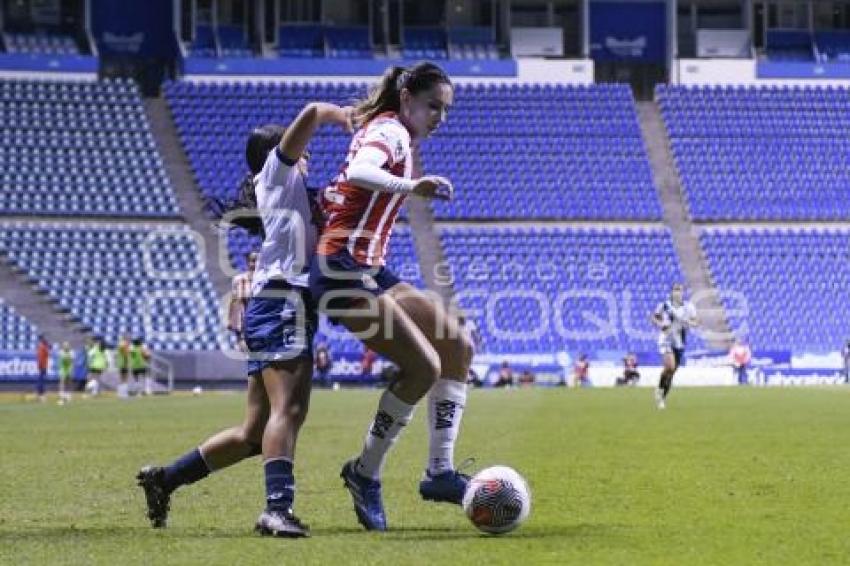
x=631 y=375
x=580 y=372
x=42 y=356
x=741 y=357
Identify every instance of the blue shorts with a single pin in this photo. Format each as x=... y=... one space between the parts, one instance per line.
x=280 y=324
x=348 y=280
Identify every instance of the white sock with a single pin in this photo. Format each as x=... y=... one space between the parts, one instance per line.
x=392 y=416
x=445 y=410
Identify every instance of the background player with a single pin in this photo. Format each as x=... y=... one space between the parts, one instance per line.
x=66 y=364
x=673 y=318
x=279 y=325
x=350 y=282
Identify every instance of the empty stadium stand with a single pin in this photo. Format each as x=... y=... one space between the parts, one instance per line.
x=772 y=153
x=794 y=281
x=515 y=271
x=40 y=43
x=17 y=334
x=119 y=279
x=79 y=148
x=571 y=152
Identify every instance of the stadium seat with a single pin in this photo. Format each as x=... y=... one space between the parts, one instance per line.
x=792 y=282
x=17 y=334
x=543 y=290
x=118 y=280
x=41 y=43
x=760 y=153
x=556 y=152
x=79 y=148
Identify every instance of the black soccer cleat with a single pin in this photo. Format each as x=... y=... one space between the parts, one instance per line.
x=281 y=524
x=152 y=480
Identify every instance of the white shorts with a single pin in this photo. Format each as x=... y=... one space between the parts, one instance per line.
x=666 y=345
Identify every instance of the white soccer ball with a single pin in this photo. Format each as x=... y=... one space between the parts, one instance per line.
x=497 y=500
x=197 y=390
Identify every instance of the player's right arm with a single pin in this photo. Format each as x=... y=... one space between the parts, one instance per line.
x=384 y=146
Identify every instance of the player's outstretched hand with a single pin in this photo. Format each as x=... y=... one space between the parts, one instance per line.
x=434 y=187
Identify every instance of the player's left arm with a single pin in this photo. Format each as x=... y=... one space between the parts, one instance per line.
x=299 y=132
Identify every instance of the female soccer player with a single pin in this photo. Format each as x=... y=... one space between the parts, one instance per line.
x=350 y=283
x=279 y=327
x=672 y=317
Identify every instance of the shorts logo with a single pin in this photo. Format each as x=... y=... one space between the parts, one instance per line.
x=369 y=282
x=445 y=414
x=288 y=337
x=383 y=422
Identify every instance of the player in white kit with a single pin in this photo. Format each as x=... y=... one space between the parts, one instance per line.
x=280 y=321
x=672 y=318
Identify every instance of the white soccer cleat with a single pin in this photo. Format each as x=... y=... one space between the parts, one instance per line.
x=659 y=399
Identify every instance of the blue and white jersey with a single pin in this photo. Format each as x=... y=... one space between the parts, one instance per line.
x=676 y=319
x=284 y=206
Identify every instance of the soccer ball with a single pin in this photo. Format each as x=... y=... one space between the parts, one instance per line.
x=197 y=390
x=497 y=500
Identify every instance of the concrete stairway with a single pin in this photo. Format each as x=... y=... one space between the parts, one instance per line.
x=685 y=234
x=186 y=190
x=38 y=308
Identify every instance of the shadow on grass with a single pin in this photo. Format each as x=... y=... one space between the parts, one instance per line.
x=59 y=534
x=467 y=532
x=400 y=533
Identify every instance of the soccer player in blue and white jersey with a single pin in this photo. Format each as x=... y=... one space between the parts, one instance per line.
x=279 y=325
x=672 y=318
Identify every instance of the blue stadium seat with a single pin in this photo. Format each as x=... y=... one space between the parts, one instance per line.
x=557 y=152
x=17 y=334
x=565 y=278
x=41 y=43
x=791 y=280
x=760 y=153
x=115 y=278
x=72 y=148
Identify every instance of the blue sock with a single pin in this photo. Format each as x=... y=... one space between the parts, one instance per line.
x=280 y=484
x=186 y=469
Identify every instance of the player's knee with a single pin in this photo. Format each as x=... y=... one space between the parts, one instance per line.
x=296 y=412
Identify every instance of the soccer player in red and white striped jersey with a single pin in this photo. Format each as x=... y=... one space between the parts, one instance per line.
x=351 y=283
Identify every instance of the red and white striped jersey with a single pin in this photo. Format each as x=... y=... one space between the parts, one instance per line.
x=358 y=219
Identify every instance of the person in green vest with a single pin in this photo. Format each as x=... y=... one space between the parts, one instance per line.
x=97 y=365
x=66 y=363
x=139 y=357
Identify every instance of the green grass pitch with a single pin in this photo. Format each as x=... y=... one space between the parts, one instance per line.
x=724 y=476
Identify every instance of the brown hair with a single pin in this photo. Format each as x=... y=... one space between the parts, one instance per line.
x=386 y=95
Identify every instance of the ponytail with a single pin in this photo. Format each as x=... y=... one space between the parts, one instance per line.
x=386 y=95
x=245 y=206
x=383 y=97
